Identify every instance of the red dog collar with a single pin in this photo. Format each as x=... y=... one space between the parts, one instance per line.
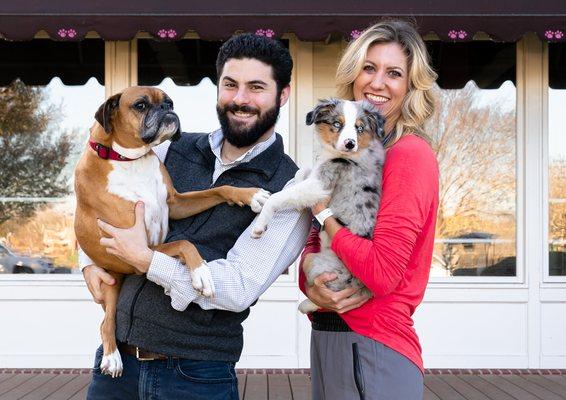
x=107 y=153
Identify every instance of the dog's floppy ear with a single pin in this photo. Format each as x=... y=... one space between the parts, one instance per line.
x=375 y=119
x=105 y=111
x=322 y=108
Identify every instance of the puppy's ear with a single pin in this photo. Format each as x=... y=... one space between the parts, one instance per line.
x=375 y=120
x=321 y=110
x=105 y=112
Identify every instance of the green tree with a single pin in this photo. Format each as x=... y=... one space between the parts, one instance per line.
x=33 y=151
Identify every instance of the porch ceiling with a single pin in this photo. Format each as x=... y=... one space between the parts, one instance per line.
x=312 y=20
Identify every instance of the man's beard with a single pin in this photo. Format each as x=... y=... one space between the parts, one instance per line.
x=237 y=134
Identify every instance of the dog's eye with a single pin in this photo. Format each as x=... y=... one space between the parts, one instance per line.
x=140 y=106
x=337 y=125
x=360 y=129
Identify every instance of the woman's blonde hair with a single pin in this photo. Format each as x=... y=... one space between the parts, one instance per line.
x=418 y=104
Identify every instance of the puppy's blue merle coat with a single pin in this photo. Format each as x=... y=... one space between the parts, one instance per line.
x=348 y=172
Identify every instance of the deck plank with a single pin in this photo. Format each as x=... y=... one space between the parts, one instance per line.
x=509 y=387
x=490 y=390
x=429 y=395
x=256 y=387
x=70 y=388
x=531 y=387
x=559 y=379
x=48 y=388
x=279 y=387
x=4 y=376
x=300 y=387
x=14 y=382
x=465 y=389
x=28 y=386
x=81 y=394
x=553 y=386
x=241 y=384
x=442 y=389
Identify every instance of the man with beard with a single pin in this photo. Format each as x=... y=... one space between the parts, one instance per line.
x=175 y=343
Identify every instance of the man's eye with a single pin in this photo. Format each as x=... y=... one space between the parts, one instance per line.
x=337 y=125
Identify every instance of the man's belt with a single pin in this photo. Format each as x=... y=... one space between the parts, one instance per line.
x=141 y=354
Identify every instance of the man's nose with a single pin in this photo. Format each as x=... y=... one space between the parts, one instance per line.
x=242 y=97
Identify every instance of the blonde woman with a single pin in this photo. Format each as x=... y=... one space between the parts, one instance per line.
x=366 y=348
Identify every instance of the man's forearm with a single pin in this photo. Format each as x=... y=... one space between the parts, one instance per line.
x=250 y=267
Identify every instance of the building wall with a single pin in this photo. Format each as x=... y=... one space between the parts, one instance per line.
x=463 y=323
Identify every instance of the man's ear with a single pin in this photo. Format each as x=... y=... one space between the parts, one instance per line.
x=284 y=96
x=105 y=112
x=321 y=109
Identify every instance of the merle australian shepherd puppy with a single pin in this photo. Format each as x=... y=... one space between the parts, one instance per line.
x=348 y=173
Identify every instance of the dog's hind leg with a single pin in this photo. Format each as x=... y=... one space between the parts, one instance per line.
x=111 y=363
x=188 y=254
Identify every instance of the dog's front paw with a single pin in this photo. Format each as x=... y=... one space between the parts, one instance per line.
x=258 y=230
x=202 y=280
x=111 y=364
x=307 y=306
x=259 y=199
x=302 y=174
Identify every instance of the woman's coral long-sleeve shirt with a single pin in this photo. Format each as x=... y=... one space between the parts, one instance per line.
x=395 y=264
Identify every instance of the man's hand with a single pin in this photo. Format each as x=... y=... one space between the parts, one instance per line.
x=130 y=245
x=339 y=302
x=94 y=278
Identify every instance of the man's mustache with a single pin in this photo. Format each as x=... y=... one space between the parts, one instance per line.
x=244 y=108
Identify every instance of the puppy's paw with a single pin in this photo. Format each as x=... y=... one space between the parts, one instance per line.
x=259 y=199
x=302 y=174
x=111 y=364
x=307 y=306
x=258 y=230
x=202 y=280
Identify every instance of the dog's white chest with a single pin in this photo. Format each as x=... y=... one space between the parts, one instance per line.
x=141 y=180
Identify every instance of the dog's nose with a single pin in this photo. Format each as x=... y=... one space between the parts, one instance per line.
x=349 y=144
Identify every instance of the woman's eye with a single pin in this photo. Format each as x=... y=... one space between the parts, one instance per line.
x=395 y=73
x=337 y=125
x=368 y=68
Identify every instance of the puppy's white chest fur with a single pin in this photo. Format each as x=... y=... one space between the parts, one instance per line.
x=141 y=180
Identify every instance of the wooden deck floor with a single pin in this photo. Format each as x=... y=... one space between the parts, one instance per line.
x=27 y=385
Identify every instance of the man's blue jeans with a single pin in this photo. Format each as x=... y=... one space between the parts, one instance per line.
x=165 y=379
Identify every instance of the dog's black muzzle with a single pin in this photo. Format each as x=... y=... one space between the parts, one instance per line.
x=161 y=126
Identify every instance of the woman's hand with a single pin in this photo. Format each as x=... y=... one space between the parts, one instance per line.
x=318 y=207
x=339 y=302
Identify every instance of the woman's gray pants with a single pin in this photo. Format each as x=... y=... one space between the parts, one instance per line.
x=348 y=366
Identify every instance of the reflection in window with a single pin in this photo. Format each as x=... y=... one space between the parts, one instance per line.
x=474 y=136
x=557 y=160
x=44 y=125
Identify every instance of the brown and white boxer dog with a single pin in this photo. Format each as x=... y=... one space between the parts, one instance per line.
x=118 y=169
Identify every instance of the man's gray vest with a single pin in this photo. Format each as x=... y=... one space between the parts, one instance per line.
x=145 y=317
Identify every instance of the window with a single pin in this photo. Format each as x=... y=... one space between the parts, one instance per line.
x=49 y=92
x=474 y=136
x=557 y=160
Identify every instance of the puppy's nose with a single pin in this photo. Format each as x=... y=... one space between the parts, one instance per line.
x=349 y=144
